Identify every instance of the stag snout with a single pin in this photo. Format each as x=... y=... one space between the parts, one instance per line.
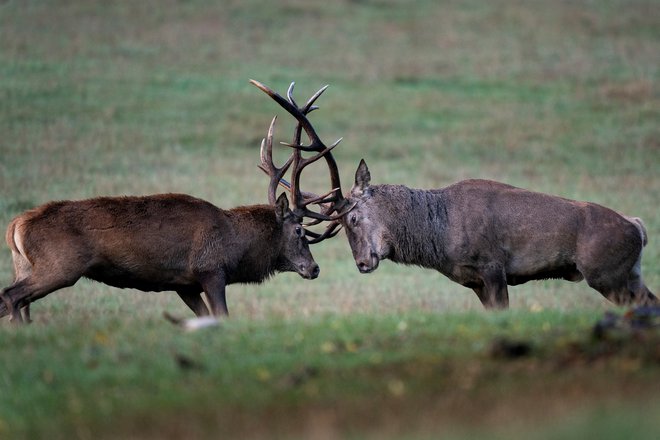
x=368 y=265
x=309 y=271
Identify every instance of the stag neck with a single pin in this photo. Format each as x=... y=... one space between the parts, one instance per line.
x=412 y=238
x=260 y=220
x=260 y=223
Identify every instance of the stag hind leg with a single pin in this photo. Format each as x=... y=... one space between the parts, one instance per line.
x=639 y=292
x=10 y=296
x=34 y=282
x=13 y=303
x=22 y=270
x=622 y=289
x=612 y=283
x=7 y=306
x=19 y=295
x=620 y=281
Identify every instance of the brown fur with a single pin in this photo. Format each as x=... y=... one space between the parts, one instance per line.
x=152 y=243
x=486 y=235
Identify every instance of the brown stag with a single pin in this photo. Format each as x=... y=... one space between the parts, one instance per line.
x=167 y=242
x=486 y=235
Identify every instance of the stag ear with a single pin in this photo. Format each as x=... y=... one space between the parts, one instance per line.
x=281 y=207
x=362 y=179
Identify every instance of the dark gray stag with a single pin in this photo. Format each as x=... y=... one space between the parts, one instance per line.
x=162 y=242
x=486 y=235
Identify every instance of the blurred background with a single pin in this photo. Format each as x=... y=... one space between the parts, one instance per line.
x=123 y=97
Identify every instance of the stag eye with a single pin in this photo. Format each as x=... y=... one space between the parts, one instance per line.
x=353 y=220
x=299 y=231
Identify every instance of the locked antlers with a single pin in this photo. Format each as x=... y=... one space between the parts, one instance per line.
x=332 y=203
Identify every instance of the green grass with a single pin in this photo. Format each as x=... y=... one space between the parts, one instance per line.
x=111 y=379
x=149 y=97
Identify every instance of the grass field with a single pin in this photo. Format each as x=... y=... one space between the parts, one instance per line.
x=100 y=98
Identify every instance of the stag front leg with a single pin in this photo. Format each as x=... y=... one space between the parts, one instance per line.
x=493 y=294
x=214 y=286
x=195 y=302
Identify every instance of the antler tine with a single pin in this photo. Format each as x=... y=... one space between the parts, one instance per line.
x=317 y=200
x=299 y=163
x=267 y=164
x=310 y=103
x=313 y=222
x=333 y=227
x=309 y=107
x=266 y=150
x=296 y=112
x=307 y=148
x=308 y=198
x=332 y=230
x=289 y=94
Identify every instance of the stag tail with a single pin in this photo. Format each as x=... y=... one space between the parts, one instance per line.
x=646 y=297
x=14 y=239
x=652 y=298
x=9 y=238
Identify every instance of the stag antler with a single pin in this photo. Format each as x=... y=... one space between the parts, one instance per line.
x=333 y=200
x=276 y=174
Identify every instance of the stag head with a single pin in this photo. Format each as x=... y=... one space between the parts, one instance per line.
x=295 y=255
x=364 y=225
